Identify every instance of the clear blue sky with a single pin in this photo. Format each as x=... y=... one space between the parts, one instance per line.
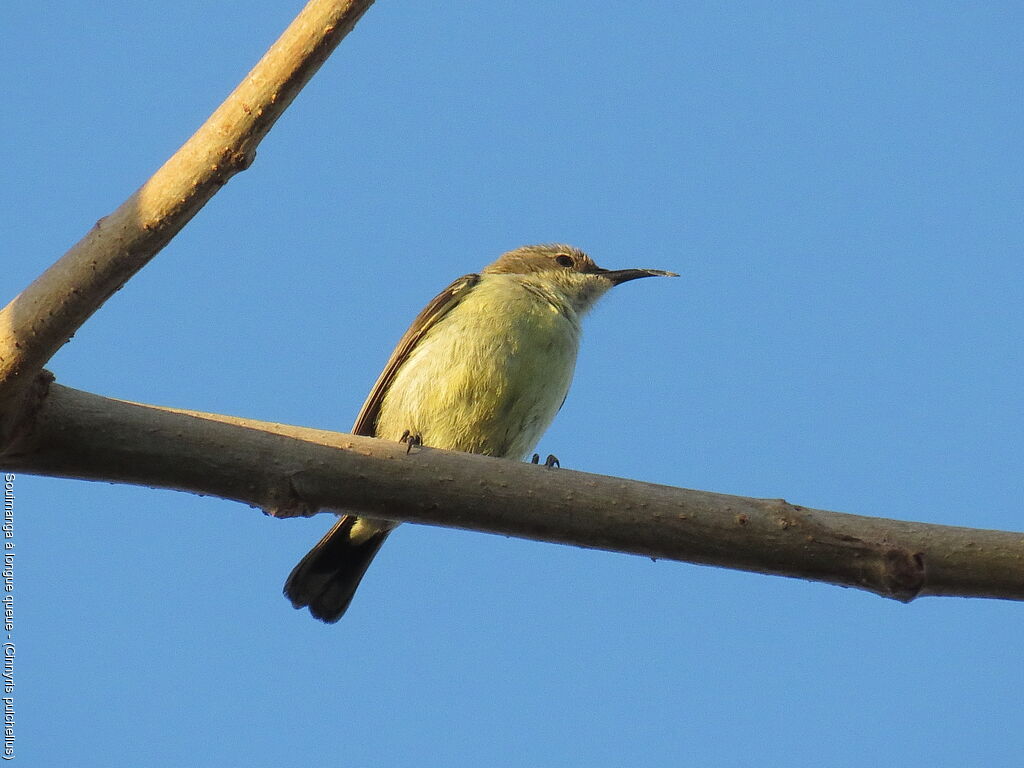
x=842 y=188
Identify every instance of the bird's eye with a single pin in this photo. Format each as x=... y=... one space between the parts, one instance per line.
x=563 y=260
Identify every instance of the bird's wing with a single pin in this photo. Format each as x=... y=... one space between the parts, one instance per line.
x=440 y=305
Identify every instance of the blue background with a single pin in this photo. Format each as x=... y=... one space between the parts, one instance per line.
x=840 y=185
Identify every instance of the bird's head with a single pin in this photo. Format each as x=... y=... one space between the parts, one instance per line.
x=566 y=272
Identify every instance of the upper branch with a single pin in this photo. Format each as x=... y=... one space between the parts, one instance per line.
x=291 y=470
x=50 y=310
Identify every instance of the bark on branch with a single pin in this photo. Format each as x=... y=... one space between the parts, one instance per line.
x=49 y=312
x=291 y=471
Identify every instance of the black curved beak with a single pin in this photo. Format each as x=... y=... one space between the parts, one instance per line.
x=619 y=276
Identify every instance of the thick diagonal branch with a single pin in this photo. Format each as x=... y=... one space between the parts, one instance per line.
x=292 y=470
x=47 y=313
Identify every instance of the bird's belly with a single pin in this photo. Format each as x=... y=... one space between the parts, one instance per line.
x=483 y=384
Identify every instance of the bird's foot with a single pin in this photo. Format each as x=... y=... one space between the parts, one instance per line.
x=411 y=440
x=549 y=462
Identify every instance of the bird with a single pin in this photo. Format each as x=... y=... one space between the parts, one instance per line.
x=483 y=368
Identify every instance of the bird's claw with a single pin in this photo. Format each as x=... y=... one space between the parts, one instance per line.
x=549 y=462
x=411 y=440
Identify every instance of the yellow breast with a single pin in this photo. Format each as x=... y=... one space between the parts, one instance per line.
x=489 y=376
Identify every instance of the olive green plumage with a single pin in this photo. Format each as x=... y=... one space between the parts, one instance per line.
x=483 y=368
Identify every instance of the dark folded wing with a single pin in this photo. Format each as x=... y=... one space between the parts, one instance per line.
x=440 y=305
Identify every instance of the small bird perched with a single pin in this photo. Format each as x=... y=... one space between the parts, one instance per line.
x=483 y=368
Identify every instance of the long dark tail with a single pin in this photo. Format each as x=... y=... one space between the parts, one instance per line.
x=327 y=577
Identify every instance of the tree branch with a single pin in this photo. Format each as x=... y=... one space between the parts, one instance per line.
x=49 y=312
x=52 y=430
x=297 y=471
